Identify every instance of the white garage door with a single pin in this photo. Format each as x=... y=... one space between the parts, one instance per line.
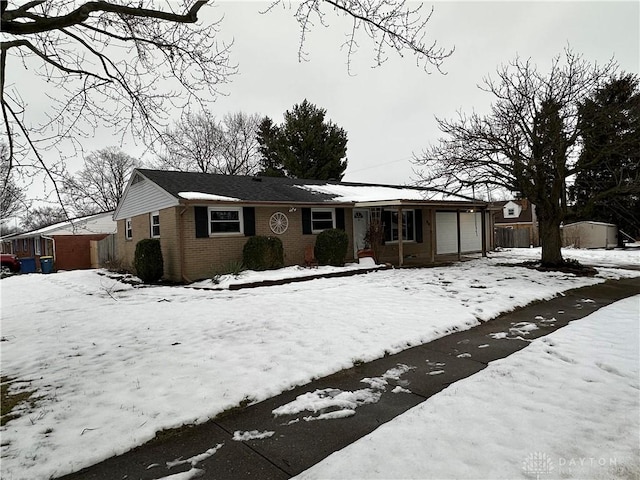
x=446 y=233
x=471 y=232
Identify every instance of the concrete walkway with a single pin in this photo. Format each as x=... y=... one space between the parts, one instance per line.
x=209 y=450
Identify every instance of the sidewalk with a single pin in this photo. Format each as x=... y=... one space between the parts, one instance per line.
x=356 y=401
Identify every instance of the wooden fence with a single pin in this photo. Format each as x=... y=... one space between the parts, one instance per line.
x=512 y=237
x=103 y=252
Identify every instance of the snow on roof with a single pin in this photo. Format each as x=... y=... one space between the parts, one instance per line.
x=377 y=193
x=206 y=196
x=92 y=224
x=590 y=222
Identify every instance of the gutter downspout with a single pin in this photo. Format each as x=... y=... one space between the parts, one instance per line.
x=458 y=231
x=181 y=244
x=400 y=232
x=53 y=241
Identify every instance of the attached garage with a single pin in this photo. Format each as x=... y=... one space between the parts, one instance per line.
x=446 y=233
x=447 y=229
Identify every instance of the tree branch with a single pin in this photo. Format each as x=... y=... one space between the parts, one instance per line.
x=42 y=24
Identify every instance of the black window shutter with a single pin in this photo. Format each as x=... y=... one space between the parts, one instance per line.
x=202 y=222
x=340 y=218
x=306 y=221
x=249 y=218
x=418 y=220
x=386 y=220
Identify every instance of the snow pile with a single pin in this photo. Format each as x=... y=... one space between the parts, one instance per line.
x=240 y=436
x=596 y=257
x=566 y=406
x=334 y=403
x=295 y=271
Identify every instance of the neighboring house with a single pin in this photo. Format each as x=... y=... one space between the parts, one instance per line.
x=203 y=220
x=67 y=242
x=519 y=216
x=590 y=235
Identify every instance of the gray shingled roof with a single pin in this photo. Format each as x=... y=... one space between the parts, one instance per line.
x=246 y=188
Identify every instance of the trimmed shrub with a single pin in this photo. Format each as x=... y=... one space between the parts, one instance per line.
x=148 y=260
x=263 y=253
x=331 y=247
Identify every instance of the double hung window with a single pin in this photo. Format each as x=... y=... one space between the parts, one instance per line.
x=392 y=228
x=225 y=220
x=322 y=219
x=155 y=225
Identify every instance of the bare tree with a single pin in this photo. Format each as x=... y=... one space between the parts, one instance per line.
x=239 y=146
x=528 y=144
x=43 y=216
x=191 y=145
x=200 y=143
x=12 y=198
x=102 y=63
x=98 y=186
x=129 y=65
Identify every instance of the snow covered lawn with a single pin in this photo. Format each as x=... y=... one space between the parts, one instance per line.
x=112 y=364
x=567 y=406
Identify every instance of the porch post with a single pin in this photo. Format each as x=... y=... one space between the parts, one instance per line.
x=483 y=218
x=400 y=229
x=432 y=233
x=459 y=237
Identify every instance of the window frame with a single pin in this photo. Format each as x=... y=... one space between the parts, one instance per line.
x=240 y=221
x=37 y=247
x=405 y=226
x=322 y=210
x=153 y=225
x=128 y=229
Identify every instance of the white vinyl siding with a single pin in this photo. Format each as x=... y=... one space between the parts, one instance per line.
x=144 y=197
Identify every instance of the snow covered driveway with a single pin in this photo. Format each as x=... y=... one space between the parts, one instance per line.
x=112 y=364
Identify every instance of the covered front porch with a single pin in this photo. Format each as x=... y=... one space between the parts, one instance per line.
x=412 y=233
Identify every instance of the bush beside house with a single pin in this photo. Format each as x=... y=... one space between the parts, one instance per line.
x=331 y=247
x=263 y=253
x=148 y=260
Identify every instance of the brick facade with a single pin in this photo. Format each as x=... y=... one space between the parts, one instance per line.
x=188 y=258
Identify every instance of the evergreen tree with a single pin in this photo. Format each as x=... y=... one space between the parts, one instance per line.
x=304 y=146
x=270 y=163
x=607 y=186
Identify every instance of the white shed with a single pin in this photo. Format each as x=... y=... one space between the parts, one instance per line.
x=590 y=235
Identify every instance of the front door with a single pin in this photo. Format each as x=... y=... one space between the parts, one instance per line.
x=360 y=228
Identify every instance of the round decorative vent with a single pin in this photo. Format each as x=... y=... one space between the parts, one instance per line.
x=279 y=223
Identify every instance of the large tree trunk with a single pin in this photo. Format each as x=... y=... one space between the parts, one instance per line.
x=551 y=240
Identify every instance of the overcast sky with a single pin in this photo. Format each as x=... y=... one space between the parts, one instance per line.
x=388 y=112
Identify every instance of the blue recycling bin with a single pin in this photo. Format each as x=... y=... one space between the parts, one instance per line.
x=46 y=264
x=28 y=265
